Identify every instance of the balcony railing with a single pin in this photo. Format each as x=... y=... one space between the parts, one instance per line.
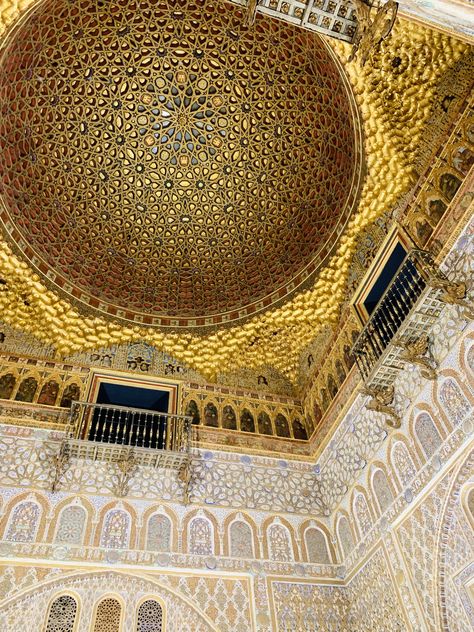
x=408 y=308
x=111 y=433
x=132 y=427
x=125 y=438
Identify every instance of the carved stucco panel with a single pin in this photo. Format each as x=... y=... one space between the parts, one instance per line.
x=416 y=537
x=191 y=603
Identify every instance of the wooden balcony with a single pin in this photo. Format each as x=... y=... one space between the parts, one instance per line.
x=125 y=438
x=398 y=330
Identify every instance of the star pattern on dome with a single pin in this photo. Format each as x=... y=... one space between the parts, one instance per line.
x=166 y=161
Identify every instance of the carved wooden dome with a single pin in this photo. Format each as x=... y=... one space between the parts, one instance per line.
x=165 y=163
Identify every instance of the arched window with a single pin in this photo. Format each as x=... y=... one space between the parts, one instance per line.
x=72 y=393
x=247 y=423
x=453 y=400
x=299 y=431
x=150 y=617
x=362 y=513
x=241 y=540
x=403 y=463
x=281 y=426
x=71 y=525
x=210 y=415
x=192 y=410
x=279 y=544
x=26 y=391
x=7 y=384
x=382 y=490
x=316 y=546
x=345 y=536
x=116 y=530
x=158 y=536
x=108 y=615
x=24 y=522
x=427 y=434
x=49 y=393
x=229 y=420
x=201 y=537
x=62 y=614
x=264 y=423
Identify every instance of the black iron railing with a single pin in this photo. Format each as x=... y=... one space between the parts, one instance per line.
x=398 y=300
x=132 y=427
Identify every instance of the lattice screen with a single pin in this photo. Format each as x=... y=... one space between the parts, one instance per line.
x=150 y=617
x=62 y=614
x=108 y=616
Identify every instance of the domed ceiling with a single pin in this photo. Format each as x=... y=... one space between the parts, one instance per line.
x=166 y=164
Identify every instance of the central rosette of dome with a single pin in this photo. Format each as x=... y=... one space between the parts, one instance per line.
x=188 y=119
x=164 y=163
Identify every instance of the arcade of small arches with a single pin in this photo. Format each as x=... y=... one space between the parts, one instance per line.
x=247 y=417
x=50 y=388
x=74 y=522
x=32 y=387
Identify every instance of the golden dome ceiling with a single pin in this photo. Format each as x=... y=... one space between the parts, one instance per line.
x=167 y=164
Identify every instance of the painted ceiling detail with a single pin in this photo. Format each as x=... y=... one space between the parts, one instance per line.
x=166 y=164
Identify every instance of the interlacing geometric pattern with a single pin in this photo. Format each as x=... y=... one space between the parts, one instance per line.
x=279 y=543
x=374 y=598
x=391 y=144
x=150 y=616
x=403 y=463
x=417 y=539
x=190 y=602
x=316 y=546
x=456 y=405
x=302 y=607
x=168 y=160
x=241 y=540
x=200 y=537
x=427 y=434
x=455 y=550
x=373 y=605
x=62 y=614
x=158 y=533
x=23 y=523
x=116 y=530
x=108 y=616
x=71 y=525
x=362 y=513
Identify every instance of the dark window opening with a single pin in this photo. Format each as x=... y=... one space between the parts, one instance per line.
x=126 y=426
x=385 y=277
